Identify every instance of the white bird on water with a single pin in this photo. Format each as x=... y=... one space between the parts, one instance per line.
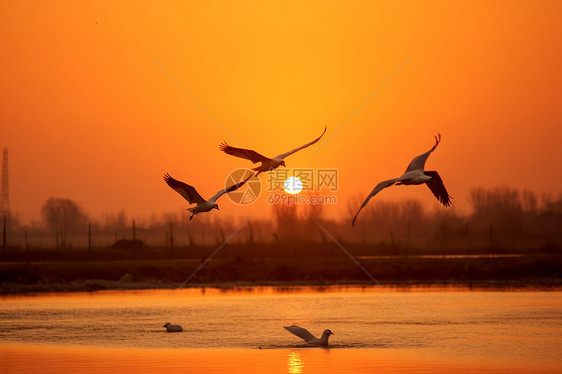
x=415 y=174
x=305 y=335
x=172 y=328
x=266 y=162
x=192 y=196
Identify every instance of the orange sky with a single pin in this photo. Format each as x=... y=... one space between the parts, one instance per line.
x=87 y=113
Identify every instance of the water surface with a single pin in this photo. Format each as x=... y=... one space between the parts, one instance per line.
x=234 y=330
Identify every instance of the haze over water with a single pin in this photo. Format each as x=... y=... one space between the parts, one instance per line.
x=241 y=330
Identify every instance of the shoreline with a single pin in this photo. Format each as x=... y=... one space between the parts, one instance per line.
x=522 y=272
x=92 y=286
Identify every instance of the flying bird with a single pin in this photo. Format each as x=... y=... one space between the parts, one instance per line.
x=266 y=163
x=192 y=196
x=305 y=335
x=415 y=174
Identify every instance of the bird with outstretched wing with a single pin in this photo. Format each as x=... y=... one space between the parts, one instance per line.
x=415 y=174
x=266 y=162
x=192 y=196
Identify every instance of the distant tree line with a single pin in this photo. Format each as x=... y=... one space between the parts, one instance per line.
x=500 y=219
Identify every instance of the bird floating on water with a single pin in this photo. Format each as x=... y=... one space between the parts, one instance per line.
x=266 y=162
x=305 y=335
x=415 y=174
x=172 y=328
x=192 y=196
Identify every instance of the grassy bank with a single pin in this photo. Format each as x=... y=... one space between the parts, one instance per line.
x=90 y=272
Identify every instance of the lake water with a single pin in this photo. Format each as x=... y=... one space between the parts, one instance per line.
x=240 y=330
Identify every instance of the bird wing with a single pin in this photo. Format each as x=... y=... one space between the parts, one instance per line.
x=378 y=188
x=300 y=332
x=283 y=155
x=248 y=154
x=438 y=188
x=418 y=163
x=228 y=189
x=185 y=190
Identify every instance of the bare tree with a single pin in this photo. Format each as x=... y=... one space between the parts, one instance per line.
x=63 y=217
x=287 y=221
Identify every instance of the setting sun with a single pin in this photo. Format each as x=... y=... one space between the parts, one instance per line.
x=292 y=185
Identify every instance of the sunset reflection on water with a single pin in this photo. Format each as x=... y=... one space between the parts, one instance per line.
x=229 y=331
x=24 y=359
x=295 y=363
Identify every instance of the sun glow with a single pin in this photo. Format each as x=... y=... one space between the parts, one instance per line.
x=244 y=69
x=292 y=185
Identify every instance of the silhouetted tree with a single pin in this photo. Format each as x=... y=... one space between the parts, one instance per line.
x=63 y=217
x=500 y=210
x=314 y=211
x=286 y=220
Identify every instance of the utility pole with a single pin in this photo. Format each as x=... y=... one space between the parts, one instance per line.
x=90 y=237
x=5 y=198
x=171 y=241
x=4 y=235
x=171 y=236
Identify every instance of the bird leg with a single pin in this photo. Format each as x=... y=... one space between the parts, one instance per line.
x=190 y=218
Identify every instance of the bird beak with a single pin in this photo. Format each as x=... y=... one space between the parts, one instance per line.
x=217 y=207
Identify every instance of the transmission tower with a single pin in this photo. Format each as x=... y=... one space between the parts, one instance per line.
x=5 y=200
